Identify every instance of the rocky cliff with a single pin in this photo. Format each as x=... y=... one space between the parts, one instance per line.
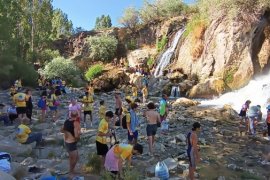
x=226 y=55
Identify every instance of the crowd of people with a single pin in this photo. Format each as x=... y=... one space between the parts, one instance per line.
x=251 y=116
x=125 y=117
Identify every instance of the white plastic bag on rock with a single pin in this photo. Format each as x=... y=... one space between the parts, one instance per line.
x=161 y=171
x=164 y=125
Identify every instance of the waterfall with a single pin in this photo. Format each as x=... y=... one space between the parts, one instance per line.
x=166 y=56
x=175 y=92
x=258 y=91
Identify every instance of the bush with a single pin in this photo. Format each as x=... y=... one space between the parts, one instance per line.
x=150 y=62
x=160 y=45
x=63 y=68
x=93 y=71
x=132 y=44
x=48 y=55
x=93 y=164
x=128 y=174
x=13 y=68
x=161 y=9
x=102 y=47
x=130 y=18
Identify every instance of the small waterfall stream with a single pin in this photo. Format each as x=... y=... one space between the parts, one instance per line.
x=166 y=56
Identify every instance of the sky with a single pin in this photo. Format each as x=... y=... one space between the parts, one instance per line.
x=83 y=13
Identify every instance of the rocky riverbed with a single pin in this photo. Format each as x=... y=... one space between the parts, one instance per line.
x=225 y=154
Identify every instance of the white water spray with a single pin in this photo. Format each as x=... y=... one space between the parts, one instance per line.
x=166 y=56
x=258 y=91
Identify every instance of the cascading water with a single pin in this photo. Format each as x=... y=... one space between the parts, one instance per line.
x=175 y=92
x=258 y=91
x=166 y=56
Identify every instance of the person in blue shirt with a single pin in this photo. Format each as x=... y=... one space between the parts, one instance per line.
x=132 y=124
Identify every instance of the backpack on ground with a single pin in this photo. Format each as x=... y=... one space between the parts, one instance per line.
x=5 y=160
x=41 y=103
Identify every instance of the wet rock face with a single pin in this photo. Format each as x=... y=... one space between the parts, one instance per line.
x=232 y=51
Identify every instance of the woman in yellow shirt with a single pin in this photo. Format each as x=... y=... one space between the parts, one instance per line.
x=119 y=153
x=53 y=103
x=25 y=136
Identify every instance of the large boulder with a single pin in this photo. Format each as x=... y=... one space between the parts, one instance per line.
x=185 y=102
x=113 y=78
x=15 y=148
x=140 y=56
x=208 y=89
x=5 y=176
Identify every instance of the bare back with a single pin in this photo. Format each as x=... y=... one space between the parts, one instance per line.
x=118 y=103
x=152 y=117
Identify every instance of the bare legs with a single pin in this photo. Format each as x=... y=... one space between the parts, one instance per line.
x=73 y=159
x=151 y=140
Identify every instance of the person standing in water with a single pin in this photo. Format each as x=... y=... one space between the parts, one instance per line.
x=153 y=118
x=193 y=149
x=243 y=114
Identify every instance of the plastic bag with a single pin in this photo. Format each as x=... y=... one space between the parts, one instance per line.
x=5 y=160
x=164 y=125
x=161 y=171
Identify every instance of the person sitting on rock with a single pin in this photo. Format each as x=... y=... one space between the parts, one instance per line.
x=119 y=153
x=193 y=149
x=26 y=136
x=72 y=131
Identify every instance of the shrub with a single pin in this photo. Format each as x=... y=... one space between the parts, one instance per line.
x=150 y=62
x=128 y=174
x=93 y=71
x=13 y=68
x=48 y=55
x=132 y=44
x=160 y=45
x=130 y=18
x=102 y=47
x=61 y=67
x=93 y=164
x=161 y=9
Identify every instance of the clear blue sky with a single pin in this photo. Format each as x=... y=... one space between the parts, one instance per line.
x=83 y=13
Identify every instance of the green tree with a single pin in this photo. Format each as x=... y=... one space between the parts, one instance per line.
x=61 y=67
x=60 y=24
x=130 y=18
x=102 y=47
x=103 y=22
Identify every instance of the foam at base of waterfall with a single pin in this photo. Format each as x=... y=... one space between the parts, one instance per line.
x=258 y=91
